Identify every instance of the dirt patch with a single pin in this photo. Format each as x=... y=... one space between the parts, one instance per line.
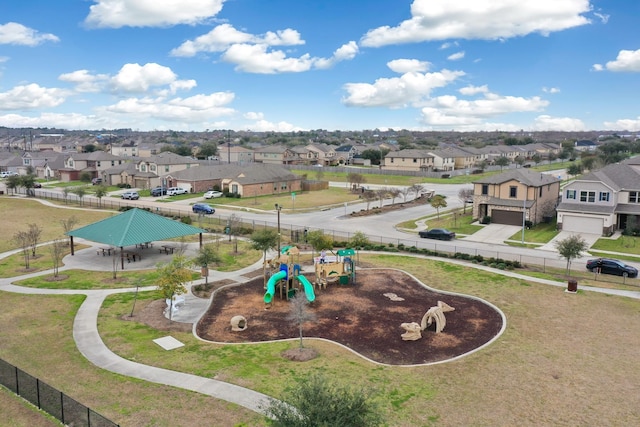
x=58 y=278
x=152 y=314
x=300 y=354
x=360 y=317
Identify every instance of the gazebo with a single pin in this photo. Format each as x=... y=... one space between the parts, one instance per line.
x=133 y=227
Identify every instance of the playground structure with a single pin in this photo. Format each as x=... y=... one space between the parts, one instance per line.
x=335 y=268
x=281 y=273
x=413 y=330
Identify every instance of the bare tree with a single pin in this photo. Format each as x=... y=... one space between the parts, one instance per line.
x=405 y=193
x=381 y=194
x=355 y=179
x=394 y=193
x=235 y=223
x=368 y=197
x=299 y=313
x=417 y=189
x=68 y=224
x=80 y=192
x=21 y=238
x=464 y=195
x=56 y=250
x=35 y=231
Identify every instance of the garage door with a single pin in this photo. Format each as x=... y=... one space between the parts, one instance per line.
x=582 y=224
x=506 y=217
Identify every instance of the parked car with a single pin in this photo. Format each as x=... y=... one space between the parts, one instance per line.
x=7 y=174
x=37 y=185
x=96 y=181
x=131 y=195
x=203 y=208
x=611 y=266
x=437 y=233
x=172 y=191
x=213 y=194
x=159 y=191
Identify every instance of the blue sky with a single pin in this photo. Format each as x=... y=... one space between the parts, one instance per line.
x=287 y=65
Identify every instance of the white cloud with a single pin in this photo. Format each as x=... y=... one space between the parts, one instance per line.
x=134 y=78
x=409 y=89
x=251 y=115
x=64 y=121
x=448 y=45
x=408 y=65
x=474 y=90
x=266 y=126
x=624 y=124
x=450 y=111
x=31 y=96
x=551 y=90
x=4 y=59
x=254 y=54
x=18 y=34
x=456 y=56
x=627 y=60
x=137 y=13
x=195 y=109
x=480 y=19
x=566 y=124
x=256 y=59
x=85 y=81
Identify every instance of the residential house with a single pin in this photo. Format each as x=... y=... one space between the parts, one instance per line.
x=258 y=180
x=275 y=155
x=92 y=163
x=124 y=149
x=345 y=154
x=602 y=201
x=584 y=145
x=516 y=196
x=325 y=153
x=234 y=154
x=409 y=160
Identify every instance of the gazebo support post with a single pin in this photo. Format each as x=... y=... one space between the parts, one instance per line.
x=71 y=241
x=200 y=235
x=121 y=258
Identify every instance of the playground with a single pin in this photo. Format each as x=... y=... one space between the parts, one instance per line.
x=365 y=316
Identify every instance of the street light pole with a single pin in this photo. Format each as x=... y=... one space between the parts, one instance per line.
x=524 y=213
x=278 y=208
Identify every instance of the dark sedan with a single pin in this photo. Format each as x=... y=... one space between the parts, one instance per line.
x=611 y=266
x=437 y=233
x=203 y=208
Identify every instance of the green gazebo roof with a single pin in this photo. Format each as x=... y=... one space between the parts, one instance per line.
x=132 y=227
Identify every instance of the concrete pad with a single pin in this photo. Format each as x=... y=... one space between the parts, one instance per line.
x=168 y=343
x=494 y=233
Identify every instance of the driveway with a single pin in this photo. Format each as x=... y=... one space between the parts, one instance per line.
x=494 y=233
x=551 y=244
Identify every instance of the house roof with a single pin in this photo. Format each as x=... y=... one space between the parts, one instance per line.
x=257 y=173
x=620 y=176
x=132 y=227
x=590 y=208
x=525 y=176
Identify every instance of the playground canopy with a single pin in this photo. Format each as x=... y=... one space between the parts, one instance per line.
x=133 y=227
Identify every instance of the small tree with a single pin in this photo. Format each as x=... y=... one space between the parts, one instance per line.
x=13 y=182
x=80 y=192
x=65 y=192
x=22 y=239
x=381 y=194
x=56 y=250
x=68 y=224
x=368 y=197
x=536 y=158
x=207 y=256
x=314 y=401
x=319 y=241
x=571 y=248
x=574 y=169
x=394 y=193
x=464 y=195
x=417 y=189
x=100 y=192
x=235 y=223
x=359 y=240
x=85 y=177
x=34 y=232
x=520 y=160
x=405 y=193
x=173 y=278
x=264 y=240
x=355 y=179
x=28 y=182
x=502 y=162
x=299 y=313
x=438 y=202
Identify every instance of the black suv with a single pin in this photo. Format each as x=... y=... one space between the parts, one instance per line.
x=159 y=191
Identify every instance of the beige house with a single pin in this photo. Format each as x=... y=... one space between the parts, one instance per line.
x=409 y=160
x=275 y=155
x=234 y=154
x=94 y=163
x=507 y=196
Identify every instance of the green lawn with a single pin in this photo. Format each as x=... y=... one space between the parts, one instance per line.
x=623 y=244
x=540 y=233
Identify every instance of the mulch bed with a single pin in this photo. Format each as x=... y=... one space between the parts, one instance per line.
x=360 y=317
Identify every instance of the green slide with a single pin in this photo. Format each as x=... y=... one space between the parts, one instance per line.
x=308 y=288
x=271 y=285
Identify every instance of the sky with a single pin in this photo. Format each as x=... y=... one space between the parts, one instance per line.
x=292 y=65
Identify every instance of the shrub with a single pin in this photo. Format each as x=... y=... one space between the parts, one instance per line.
x=186 y=220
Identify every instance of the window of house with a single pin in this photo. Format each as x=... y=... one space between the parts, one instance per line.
x=540 y=192
x=143 y=168
x=571 y=194
x=634 y=197
x=113 y=163
x=513 y=191
x=152 y=168
x=485 y=189
x=415 y=160
x=392 y=160
x=98 y=163
x=604 y=196
x=166 y=168
x=588 y=196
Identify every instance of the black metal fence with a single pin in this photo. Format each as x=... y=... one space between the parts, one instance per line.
x=62 y=407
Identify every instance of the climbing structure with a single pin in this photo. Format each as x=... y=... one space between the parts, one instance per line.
x=335 y=268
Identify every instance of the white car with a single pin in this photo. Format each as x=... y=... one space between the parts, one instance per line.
x=6 y=174
x=213 y=194
x=173 y=191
